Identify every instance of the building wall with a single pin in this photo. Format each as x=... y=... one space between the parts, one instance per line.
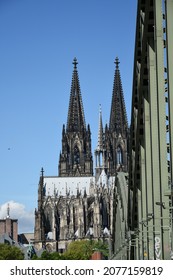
x=10 y=227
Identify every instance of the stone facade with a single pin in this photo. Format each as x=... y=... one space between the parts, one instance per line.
x=76 y=204
x=74 y=216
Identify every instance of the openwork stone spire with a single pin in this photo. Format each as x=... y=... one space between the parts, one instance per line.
x=118 y=117
x=76 y=156
x=99 y=151
x=116 y=135
x=76 y=119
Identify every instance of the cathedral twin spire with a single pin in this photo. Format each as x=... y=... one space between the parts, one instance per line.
x=76 y=118
x=111 y=152
x=118 y=116
x=76 y=157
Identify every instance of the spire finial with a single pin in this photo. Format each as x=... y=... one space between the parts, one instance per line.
x=100 y=108
x=117 y=62
x=8 y=210
x=42 y=172
x=75 y=62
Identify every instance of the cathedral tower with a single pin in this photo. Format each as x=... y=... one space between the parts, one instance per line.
x=116 y=135
x=76 y=156
x=111 y=152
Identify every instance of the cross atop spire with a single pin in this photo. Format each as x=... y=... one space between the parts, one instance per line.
x=42 y=172
x=75 y=62
x=117 y=62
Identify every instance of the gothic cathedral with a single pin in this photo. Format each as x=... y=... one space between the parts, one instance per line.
x=78 y=203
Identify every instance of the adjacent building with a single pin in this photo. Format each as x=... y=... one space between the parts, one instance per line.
x=9 y=227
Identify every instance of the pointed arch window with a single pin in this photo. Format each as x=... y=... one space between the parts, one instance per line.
x=76 y=155
x=119 y=155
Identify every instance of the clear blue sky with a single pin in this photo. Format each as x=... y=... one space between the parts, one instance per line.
x=39 y=39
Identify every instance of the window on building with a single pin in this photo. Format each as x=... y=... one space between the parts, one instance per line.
x=119 y=155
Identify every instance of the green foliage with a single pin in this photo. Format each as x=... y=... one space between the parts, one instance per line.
x=83 y=249
x=48 y=256
x=34 y=257
x=102 y=247
x=51 y=256
x=8 y=252
x=77 y=250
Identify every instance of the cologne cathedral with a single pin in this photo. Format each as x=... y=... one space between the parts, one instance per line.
x=79 y=202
